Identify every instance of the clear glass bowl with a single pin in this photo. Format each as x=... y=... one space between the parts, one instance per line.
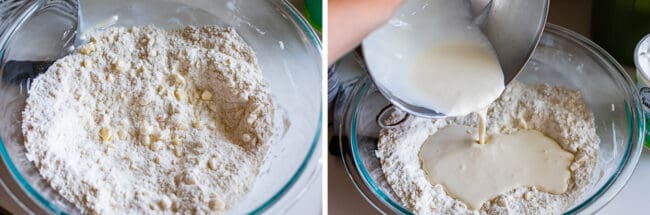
x=288 y=50
x=562 y=58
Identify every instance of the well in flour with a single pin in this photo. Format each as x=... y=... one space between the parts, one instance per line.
x=559 y=113
x=145 y=120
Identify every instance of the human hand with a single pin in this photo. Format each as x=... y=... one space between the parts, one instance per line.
x=349 y=21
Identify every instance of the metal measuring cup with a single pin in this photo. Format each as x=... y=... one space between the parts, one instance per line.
x=513 y=28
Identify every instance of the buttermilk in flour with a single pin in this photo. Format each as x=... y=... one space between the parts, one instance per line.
x=557 y=114
x=145 y=120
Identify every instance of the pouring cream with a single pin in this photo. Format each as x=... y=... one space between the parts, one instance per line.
x=475 y=173
x=457 y=78
x=461 y=75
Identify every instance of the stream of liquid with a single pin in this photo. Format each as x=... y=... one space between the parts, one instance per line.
x=461 y=76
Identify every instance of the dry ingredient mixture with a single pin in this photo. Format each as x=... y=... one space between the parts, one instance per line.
x=558 y=113
x=145 y=120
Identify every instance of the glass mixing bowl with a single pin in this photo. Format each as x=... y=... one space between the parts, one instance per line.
x=288 y=50
x=562 y=58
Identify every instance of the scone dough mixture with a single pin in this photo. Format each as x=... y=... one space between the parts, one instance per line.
x=558 y=113
x=145 y=120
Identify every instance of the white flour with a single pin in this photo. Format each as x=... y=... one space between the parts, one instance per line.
x=559 y=113
x=144 y=120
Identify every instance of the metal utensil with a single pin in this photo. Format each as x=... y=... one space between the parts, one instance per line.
x=513 y=27
x=63 y=16
x=16 y=72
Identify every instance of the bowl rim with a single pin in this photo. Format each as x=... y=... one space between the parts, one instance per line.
x=300 y=23
x=376 y=197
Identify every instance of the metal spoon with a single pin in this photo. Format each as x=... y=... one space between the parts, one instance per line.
x=16 y=72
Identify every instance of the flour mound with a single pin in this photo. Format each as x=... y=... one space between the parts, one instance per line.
x=559 y=113
x=145 y=120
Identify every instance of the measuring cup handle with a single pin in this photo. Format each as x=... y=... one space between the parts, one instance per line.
x=383 y=115
x=361 y=59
